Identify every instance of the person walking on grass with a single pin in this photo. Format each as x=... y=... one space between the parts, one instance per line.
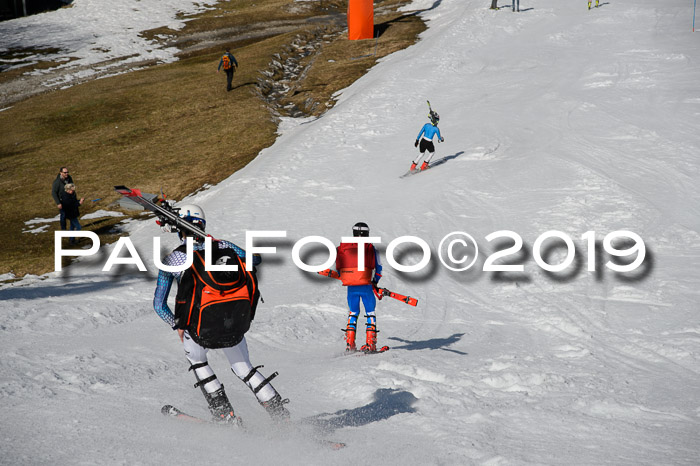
x=229 y=64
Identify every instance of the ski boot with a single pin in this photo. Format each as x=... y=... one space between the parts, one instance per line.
x=413 y=167
x=275 y=408
x=221 y=409
x=350 y=339
x=371 y=344
x=424 y=166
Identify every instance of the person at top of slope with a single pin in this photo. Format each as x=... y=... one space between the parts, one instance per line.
x=425 y=140
x=360 y=285
x=214 y=309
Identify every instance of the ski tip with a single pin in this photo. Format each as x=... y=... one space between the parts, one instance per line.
x=335 y=445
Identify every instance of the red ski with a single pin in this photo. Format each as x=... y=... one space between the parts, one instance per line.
x=381 y=292
x=330 y=273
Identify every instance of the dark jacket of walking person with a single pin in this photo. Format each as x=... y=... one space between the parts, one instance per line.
x=62 y=179
x=229 y=64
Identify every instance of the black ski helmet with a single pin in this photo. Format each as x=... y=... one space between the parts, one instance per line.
x=360 y=229
x=434 y=117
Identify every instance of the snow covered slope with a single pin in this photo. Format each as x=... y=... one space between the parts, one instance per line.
x=556 y=118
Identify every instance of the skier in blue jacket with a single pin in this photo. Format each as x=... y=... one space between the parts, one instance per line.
x=425 y=139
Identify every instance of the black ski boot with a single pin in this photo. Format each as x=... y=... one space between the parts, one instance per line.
x=275 y=408
x=221 y=409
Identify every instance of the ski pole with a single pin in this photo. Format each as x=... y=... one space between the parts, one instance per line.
x=694 y=4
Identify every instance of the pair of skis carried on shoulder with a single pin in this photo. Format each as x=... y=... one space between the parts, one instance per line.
x=166 y=213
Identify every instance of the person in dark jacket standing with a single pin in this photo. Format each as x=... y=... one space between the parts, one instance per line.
x=71 y=207
x=58 y=189
x=229 y=64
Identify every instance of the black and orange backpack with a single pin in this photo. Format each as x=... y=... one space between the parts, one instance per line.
x=216 y=307
x=226 y=62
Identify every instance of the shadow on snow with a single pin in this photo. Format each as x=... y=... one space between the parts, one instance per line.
x=445 y=159
x=432 y=344
x=387 y=403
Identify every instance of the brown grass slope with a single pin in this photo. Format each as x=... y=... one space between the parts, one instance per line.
x=171 y=126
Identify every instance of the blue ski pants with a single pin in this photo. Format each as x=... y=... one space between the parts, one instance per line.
x=365 y=294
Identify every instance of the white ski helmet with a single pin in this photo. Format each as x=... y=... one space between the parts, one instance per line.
x=193 y=214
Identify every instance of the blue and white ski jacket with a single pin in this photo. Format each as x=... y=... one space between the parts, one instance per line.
x=428 y=131
x=165 y=279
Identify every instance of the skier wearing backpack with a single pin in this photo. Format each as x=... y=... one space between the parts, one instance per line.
x=229 y=64
x=360 y=285
x=213 y=311
x=425 y=139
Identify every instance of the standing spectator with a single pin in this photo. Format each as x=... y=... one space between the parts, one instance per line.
x=229 y=64
x=71 y=207
x=57 y=190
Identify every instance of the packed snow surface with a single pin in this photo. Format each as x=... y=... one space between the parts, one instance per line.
x=554 y=118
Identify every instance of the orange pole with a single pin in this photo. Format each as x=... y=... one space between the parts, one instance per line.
x=360 y=19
